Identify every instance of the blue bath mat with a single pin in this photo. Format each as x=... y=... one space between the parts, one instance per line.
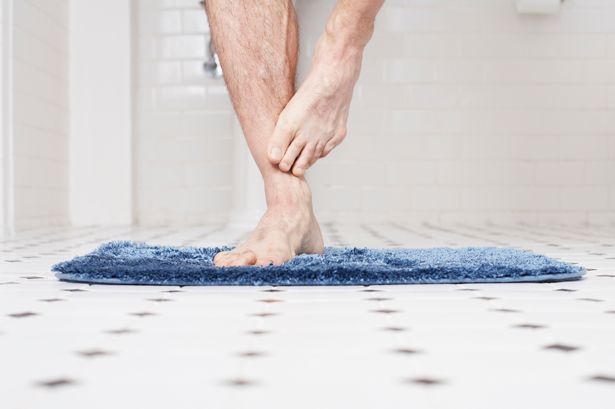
x=125 y=262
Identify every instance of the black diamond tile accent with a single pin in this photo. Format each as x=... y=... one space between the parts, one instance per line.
x=32 y=277
x=74 y=290
x=159 y=299
x=9 y=282
x=121 y=331
x=394 y=329
x=240 y=382
x=93 y=353
x=485 y=298
x=273 y=290
x=56 y=382
x=406 y=351
x=270 y=300
x=13 y=261
x=142 y=314
x=258 y=332
x=566 y=290
x=603 y=378
x=385 y=311
x=425 y=381
x=590 y=299
x=378 y=299
x=561 y=347
x=24 y=314
x=264 y=314
x=251 y=354
x=530 y=326
x=370 y=290
x=173 y=291
x=606 y=275
x=52 y=299
x=510 y=310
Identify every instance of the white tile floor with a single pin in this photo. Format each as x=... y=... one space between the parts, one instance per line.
x=68 y=345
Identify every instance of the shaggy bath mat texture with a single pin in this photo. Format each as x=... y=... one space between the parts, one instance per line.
x=125 y=262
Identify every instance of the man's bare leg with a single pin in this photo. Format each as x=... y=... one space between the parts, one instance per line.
x=257 y=45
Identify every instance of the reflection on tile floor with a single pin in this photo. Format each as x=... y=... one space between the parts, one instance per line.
x=489 y=345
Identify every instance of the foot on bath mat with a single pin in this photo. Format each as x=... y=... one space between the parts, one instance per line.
x=125 y=262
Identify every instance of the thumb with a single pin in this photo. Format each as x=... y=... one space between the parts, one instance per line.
x=280 y=139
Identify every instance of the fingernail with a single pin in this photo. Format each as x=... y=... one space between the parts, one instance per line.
x=275 y=153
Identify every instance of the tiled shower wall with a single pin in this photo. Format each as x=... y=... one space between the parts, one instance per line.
x=465 y=111
x=2 y=118
x=40 y=70
x=184 y=119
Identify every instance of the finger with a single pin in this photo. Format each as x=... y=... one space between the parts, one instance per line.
x=320 y=146
x=245 y=258
x=280 y=139
x=291 y=154
x=304 y=160
x=313 y=160
x=329 y=147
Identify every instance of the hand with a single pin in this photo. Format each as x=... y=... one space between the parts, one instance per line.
x=314 y=120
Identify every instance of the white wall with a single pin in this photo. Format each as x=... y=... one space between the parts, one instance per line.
x=3 y=122
x=40 y=83
x=100 y=112
x=465 y=111
x=184 y=119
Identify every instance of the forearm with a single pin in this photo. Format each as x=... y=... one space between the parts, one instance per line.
x=351 y=23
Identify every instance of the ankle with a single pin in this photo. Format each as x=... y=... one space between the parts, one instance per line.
x=284 y=190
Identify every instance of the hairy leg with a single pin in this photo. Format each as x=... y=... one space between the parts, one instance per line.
x=257 y=45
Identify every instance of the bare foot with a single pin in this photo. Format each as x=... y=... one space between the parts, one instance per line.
x=314 y=120
x=287 y=228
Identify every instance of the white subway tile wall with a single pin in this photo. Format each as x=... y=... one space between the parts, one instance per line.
x=465 y=111
x=184 y=119
x=40 y=70
x=2 y=118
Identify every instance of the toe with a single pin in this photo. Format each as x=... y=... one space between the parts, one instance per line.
x=245 y=258
x=263 y=262
x=222 y=258
x=279 y=257
x=291 y=154
x=278 y=261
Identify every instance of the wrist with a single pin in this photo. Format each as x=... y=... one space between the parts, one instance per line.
x=349 y=32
